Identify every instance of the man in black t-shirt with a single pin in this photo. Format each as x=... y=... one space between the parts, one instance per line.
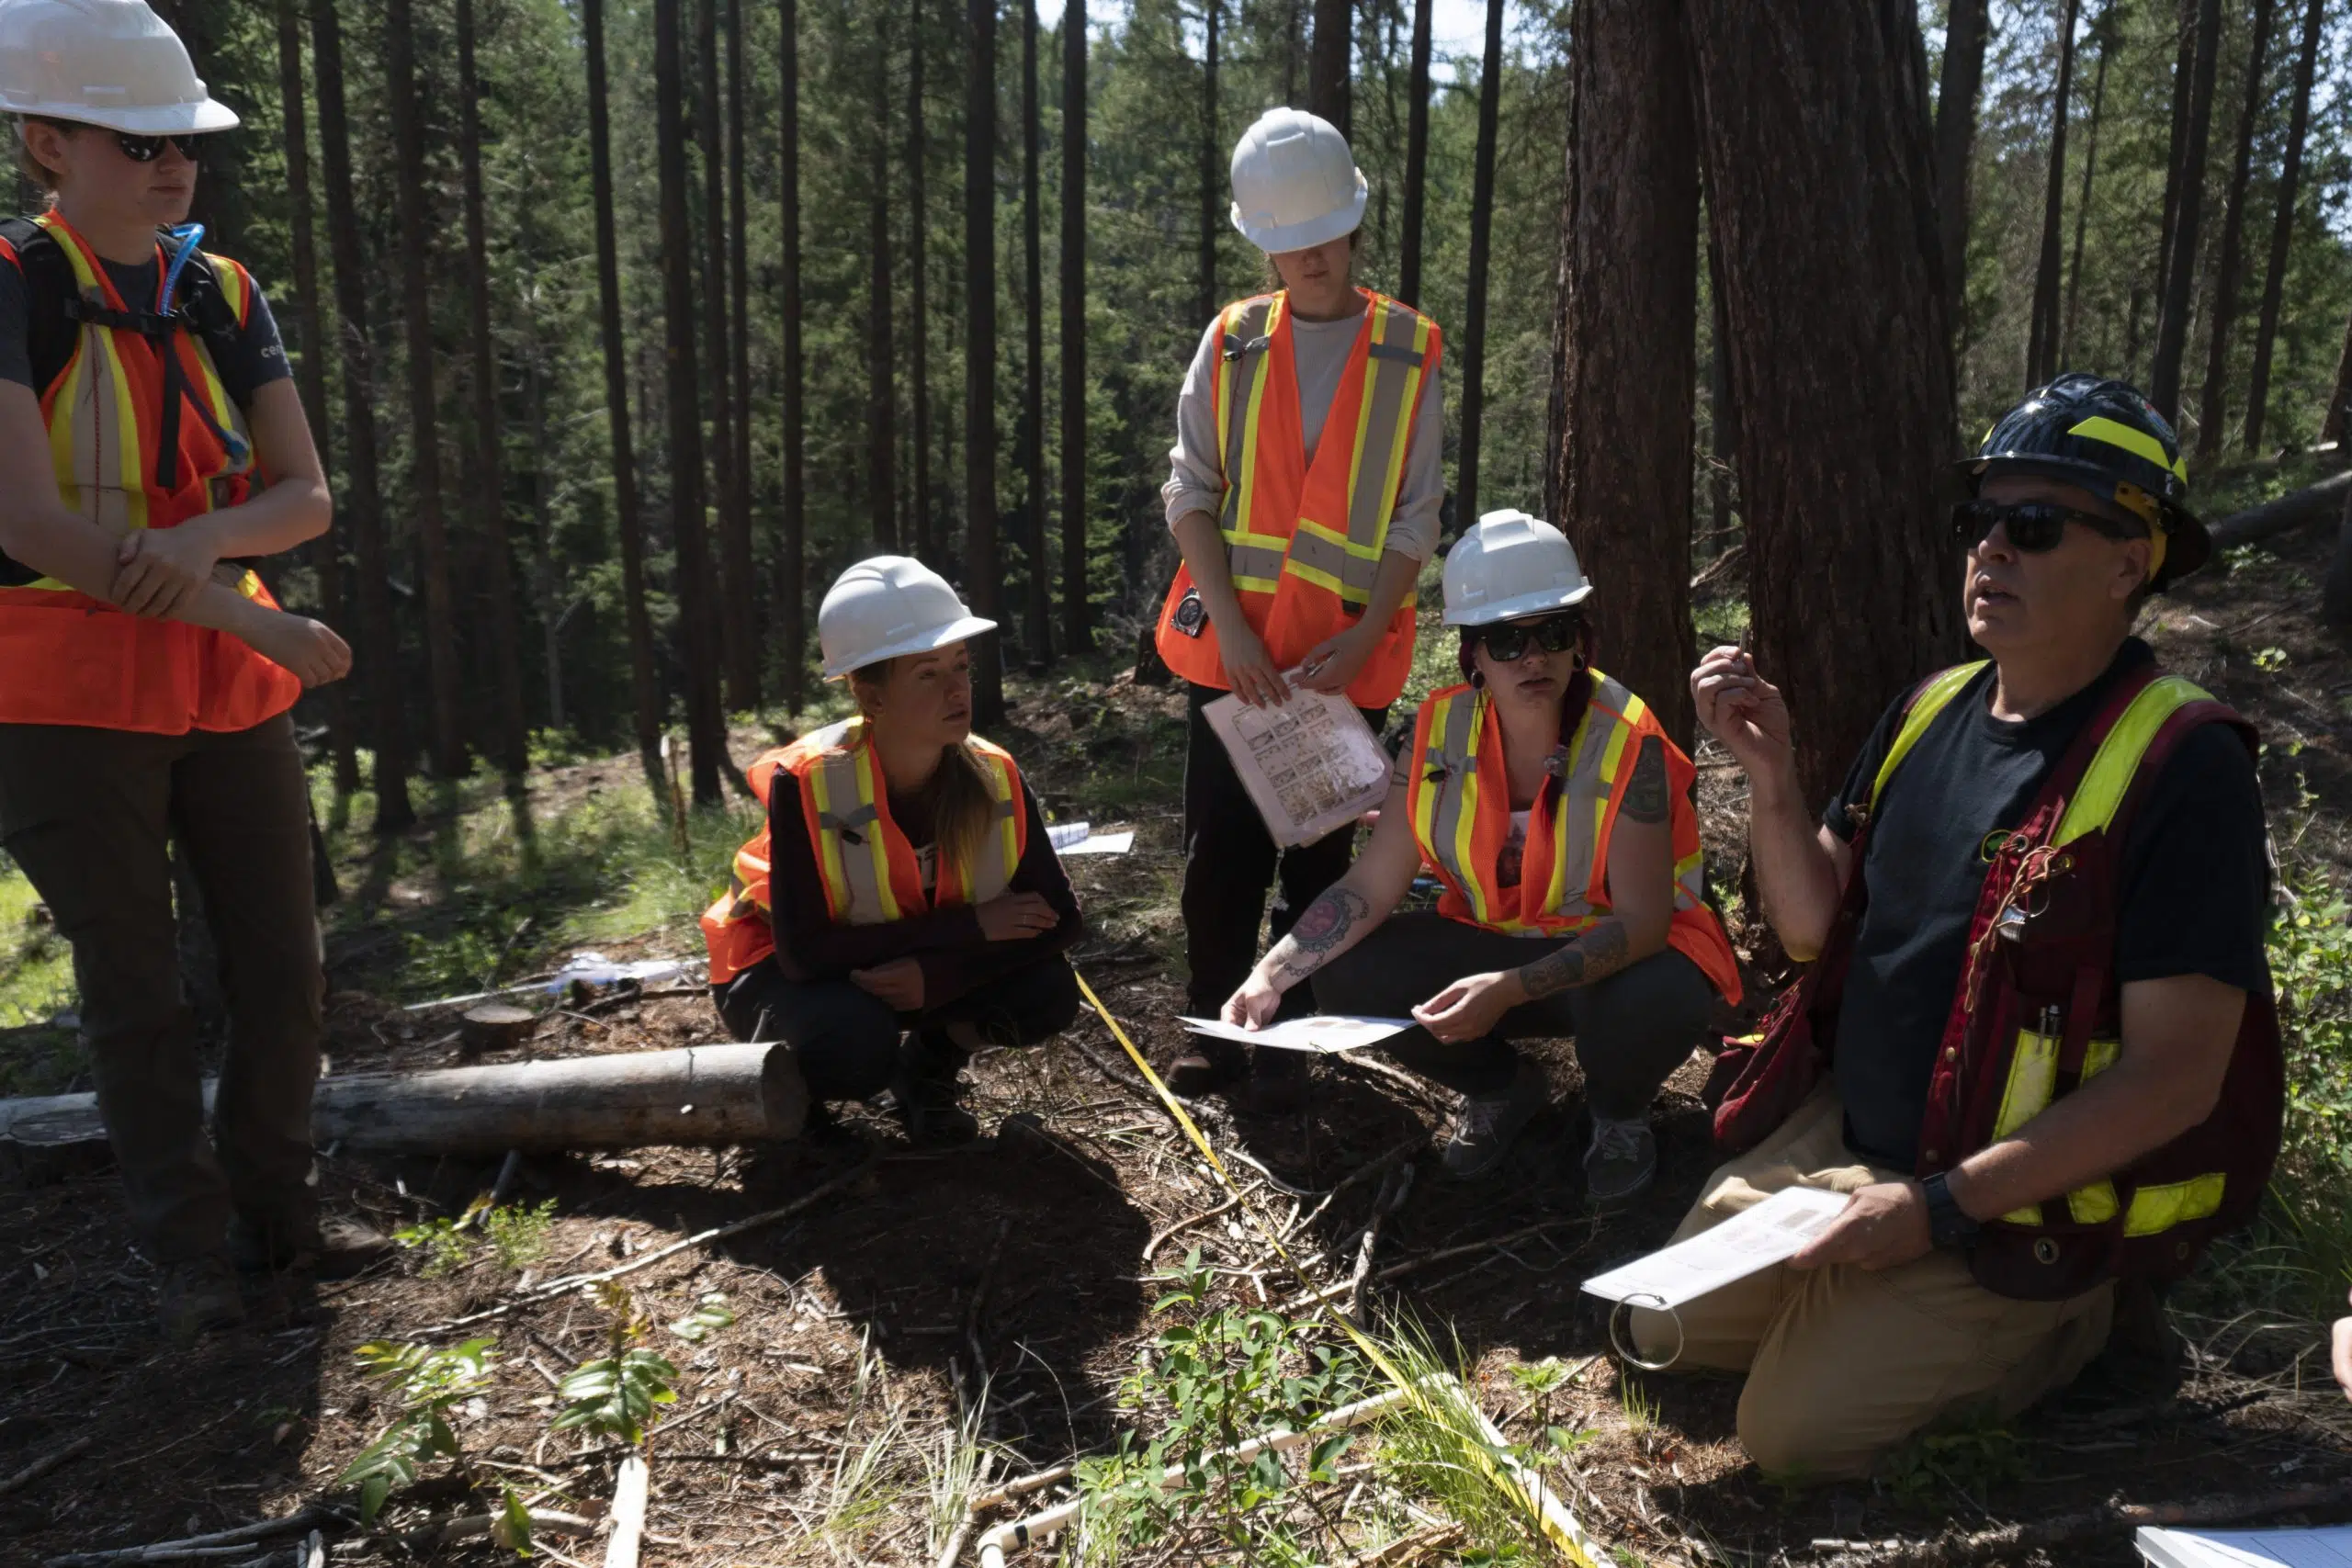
x=2074 y=512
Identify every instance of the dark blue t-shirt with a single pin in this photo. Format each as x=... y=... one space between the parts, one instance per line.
x=2196 y=882
x=257 y=359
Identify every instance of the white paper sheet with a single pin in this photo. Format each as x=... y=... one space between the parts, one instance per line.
x=1080 y=839
x=1326 y=1033
x=1771 y=1233
x=2329 y=1548
x=1311 y=765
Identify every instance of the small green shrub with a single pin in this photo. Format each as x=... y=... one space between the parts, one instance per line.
x=518 y=1232
x=444 y=1246
x=423 y=1383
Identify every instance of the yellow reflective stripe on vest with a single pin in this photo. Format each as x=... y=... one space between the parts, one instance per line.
x=1596 y=754
x=1328 y=560
x=2103 y=783
x=1933 y=698
x=857 y=875
x=999 y=853
x=1245 y=373
x=2156 y=1208
x=1446 y=808
x=1384 y=417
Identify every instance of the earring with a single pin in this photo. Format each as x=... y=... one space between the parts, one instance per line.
x=1477 y=680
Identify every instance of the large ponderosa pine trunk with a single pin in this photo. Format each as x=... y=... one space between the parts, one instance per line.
x=2340 y=401
x=1633 y=299
x=881 y=396
x=2041 y=348
x=924 y=542
x=982 y=572
x=792 y=572
x=2213 y=406
x=2282 y=227
x=2103 y=34
x=739 y=291
x=1416 y=158
x=739 y=636
x=2188 y=208
x=1039 y=580
x=1482 y=223
x=1213 y=168
x=1840 y=355
x=2184 y=71
x=645 y=694
x=449 y=759
x=1963 y=74
x=1328 y=66
x=513 y=747
x=698 y=632
x=1077 y=637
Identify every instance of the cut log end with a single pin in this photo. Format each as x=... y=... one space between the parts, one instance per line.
x=494 y=1026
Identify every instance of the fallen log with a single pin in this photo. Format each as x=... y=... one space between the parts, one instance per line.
x=699 y=1094
x=2010 y=1543
x=2296 y=509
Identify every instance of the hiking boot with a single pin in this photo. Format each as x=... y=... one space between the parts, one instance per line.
x=199 y=1295
x=1621 y=1163
x=1484 y=1124
x=335 y=1248
x=1275 y=1085
x=926 y=1091
x=1211 y=1066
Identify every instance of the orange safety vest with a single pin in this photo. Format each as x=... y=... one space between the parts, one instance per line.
x=1303 y=543
x=869 y=865
x=75 y=659
x=1459 y=800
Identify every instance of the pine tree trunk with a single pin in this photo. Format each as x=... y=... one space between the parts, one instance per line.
x=1417 y=159
x=1077 y=636
x=311 y=372
x=2339 y=402
x=2042 y=351
x=361 y=502
x=698 y=632
x=514 y=749
x=926 y=538
x=739 y=288
x=881 y=396
x=1213 y=167
x=2212 y=407
x=1482 y=223
x=983 y=568
x=2184 y=71
x=1291 y=26
x=645 y=694
x=792 y=570
x=1963 y=74
x=1040 y=618
x=449 y=760
x=2181 y=274
x=2282 y=229
x=1840 y=356
x=1632 y=289
x=1722 y=407
x=2104 y=32
x=1333 y=58
x=739 y=639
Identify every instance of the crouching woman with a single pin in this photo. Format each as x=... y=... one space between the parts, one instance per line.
x=903 y=906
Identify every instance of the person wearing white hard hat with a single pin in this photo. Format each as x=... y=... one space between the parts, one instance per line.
x=904 y=883
x=1558 y=817
x=1303 y=492
x=155 y=446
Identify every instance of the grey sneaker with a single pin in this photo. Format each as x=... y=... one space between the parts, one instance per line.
x=1620 y=1165
x=1484 y=1125
x=199 y=1294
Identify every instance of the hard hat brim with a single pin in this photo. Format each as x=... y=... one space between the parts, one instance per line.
x=1276 y=238
x=167 y=119
x=1535 y=604
x=923 y=642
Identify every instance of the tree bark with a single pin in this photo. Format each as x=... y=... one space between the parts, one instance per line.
x=739 y=639
x=2339 y=402
x=2042 y=351
x=2103 y=32
x=310 y=371
x=1077 y=634
x=2335 y=594
x=881 y=396
x=1482 y=223
x=1417 y=159
x=1633 y=299
x=2180 y=274
x=1040 y=584
x=2282 y=229
x=792 y=570
x=1331 y=61
x=982 y=572
x=645 y=695
x=1840 y=355
x=2212 y=407
x=697 y=634
x=2184 y=70
x=1723 y=406
x=739 y=287
x=1213 y=170
x=514 y=749
x=449 y=760
x=1963 y=74
x=926 y=540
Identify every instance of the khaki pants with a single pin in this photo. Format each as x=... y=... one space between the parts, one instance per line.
x=1845 y=1362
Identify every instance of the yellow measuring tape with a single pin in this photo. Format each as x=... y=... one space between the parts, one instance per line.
x=1559 y=1527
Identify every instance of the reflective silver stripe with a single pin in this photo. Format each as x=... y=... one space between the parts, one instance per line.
x=1391 y=366
x=1319 y=553
x=1257 y=561
x=1453 y=754
x=1584 y=795
x=1243 y=349
x=866 y=906
x=1405 y=353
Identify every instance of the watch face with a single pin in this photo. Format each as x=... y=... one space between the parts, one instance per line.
x=1190 y=615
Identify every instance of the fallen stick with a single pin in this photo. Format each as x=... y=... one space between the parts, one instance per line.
x=507 y=1170
x=963 y=1531
x=632 y=1489
x=1162 y=1235
x=469 y=1526
x=1395 y=1271
x=163 y=1551
x=44 y=1464
x=1021 y=1488
x=2010 y=1542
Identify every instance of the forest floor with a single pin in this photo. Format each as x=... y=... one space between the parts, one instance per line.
x=839 y=1418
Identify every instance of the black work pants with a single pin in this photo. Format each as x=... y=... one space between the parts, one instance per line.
x=1632 y=1030
x=1230 y=861
x=89 y=815
x=845 y=1041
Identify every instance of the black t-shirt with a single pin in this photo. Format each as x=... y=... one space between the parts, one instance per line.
x=2195 y=895
x=258 y=358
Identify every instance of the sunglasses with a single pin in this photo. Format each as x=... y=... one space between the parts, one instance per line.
x=1554 y=634
x=147 y=149
x=2033 y=526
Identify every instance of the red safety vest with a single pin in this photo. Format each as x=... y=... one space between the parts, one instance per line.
x=2039 y=1010
x=1459 y=820
x=869 y=867
x=125 y=458
x=1303 y=543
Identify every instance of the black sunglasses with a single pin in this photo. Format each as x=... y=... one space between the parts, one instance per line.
x=1554 y=634
x=2033 y=526
x=147 y=149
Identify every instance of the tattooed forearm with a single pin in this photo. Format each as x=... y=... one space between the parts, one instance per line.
x=1646 y=793
x=1587 y=961
x=1320 y=933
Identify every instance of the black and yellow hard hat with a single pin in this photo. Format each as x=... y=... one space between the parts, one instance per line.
x=2108 y=439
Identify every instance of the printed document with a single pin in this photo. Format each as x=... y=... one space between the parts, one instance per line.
x=1312 y=766
x=1772 y=1232
x=1326 y=1031
x=2329 y=1548
x=1080 y=839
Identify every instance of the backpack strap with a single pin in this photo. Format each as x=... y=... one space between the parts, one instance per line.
x=49 y=333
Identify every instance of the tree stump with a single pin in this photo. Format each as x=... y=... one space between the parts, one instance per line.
x=494 y=1026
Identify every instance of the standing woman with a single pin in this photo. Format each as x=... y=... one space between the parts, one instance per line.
x=1300 y=552
x=152 y=442
x=904 y=883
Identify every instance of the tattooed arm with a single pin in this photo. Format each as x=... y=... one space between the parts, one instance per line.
x=1341 y=916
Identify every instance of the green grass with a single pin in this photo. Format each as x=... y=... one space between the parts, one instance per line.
x=36 y=965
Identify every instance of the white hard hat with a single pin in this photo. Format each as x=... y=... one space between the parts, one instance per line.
x=887 y=607
x=1296 y=185
x=1510 y=566
x=105 y=62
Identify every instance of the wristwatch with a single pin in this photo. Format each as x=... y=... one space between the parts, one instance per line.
x=1948 y=1224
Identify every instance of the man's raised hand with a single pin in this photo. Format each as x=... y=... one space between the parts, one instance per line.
x=1741 y=708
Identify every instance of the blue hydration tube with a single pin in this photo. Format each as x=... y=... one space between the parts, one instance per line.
x=189 y=235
